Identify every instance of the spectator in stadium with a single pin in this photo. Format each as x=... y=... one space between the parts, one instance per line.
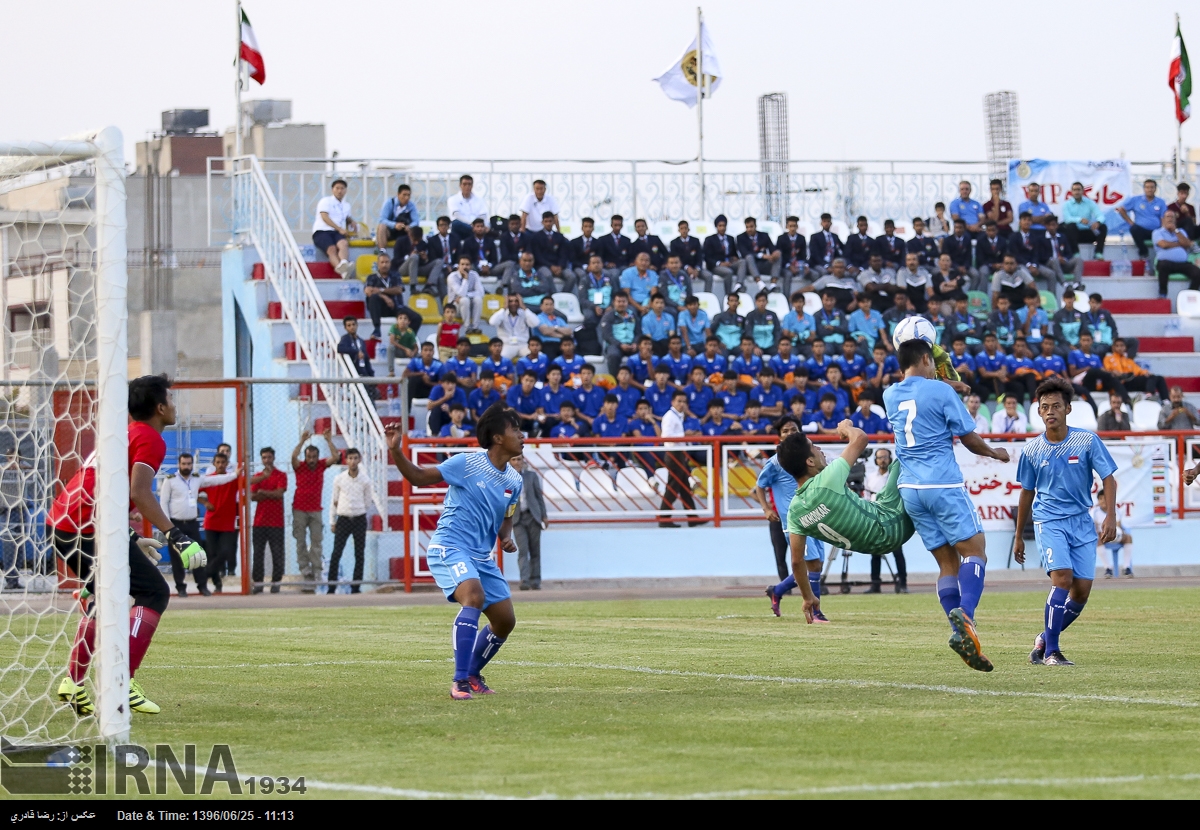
x=417 y=263
x=333 y=226
x=948 y=282
x=982 y=424
x=352 y=495
x=528 y=524
x=678 y=485
x=1059 y=262
x=966 y=209
x=464 y=291
x=1147 y=211
x=720 y=253
x=1171 y=249
x=924 y=245
x=691 y=257
x=1025 y=243
x=674 y=285
x=567 y=360
x=551 y=396
x=1010 y=418
x=1049 y=364
x=179 y=495
x=525 y=400
x=220 y=493
x=1083 y=361
x=901 y=309
x=916 y=282
x=1010 y=281
x=991 y=365
x=503 y=369
x=639 y=281
x=589 y=398
x=514 y=325
x=658 y=394
x=399 y=214
x=615 y=248
x=356 y=348
x=441 y=248
x=1133 y=376
x=798 y=324
x=482 y=250
x=963 y=363
x=483 y=395
x=854 y=368
x=818 y=364
x=891 y=248
x=647 y=242
x=732 y=398
x=552 y=328
x=763 y=326
x=793 y=253
x=447 y=392
x=552 y=255
x=384 y=293
x=1034 y=322
x=961 y=323
x=824 y=247
x=939 y=224
x=535 y=361
x=1178 y=414
x=883 y=371
x=1083 y=222
x=874 y=482
x=692 y=325
x=619 y=330
x=998 y=211
x=1034 y=206
x=958 y=246
x=447 y=333
x=1022 y=371
x=1100 y=323
x=307 y=524
x=267 y=487
x=877 y=282
x=581 y=249
x=528 y=283
x=866 y=325
x=536 y=205
x=1185 y=214
x=457 y=426
x=746 y=364
x=641 y=365
x=422 y=374
x=594 y=289
x=677 y=362
x=513 y=243
x=1114 y=419
x=838 y=281
x=835 y=386
x=464 y=208
x=461 y=365
x=711 y=360
x=828 y=416
x=768 y=394
x=868 y=421
x=989 y=254
x=658 y=324
x=858 y=247
x=728 y=326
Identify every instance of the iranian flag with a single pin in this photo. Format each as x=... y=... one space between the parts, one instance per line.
x=249 y=51
x=1180 y=78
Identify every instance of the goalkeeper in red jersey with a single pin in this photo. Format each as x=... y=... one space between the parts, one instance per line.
x=70 y=519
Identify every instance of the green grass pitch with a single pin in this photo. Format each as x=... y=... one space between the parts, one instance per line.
x=680 y=698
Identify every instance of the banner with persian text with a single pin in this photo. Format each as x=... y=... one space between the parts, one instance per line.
x=1107 y=183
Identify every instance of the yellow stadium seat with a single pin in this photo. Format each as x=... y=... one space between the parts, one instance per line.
x=427 y=306
x=364 y=265
x=362 y=243
x=701 y=476
x=742 y=480
x=491 y=304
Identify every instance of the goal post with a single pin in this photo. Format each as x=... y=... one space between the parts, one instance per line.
x=64 y=397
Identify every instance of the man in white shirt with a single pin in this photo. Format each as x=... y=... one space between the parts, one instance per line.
x=514 y=324
x=679 y=484
x=1010 y=418
x=537 y=203
x=981 y=423
x=179 y=494
x=352 y=492
x=464 y=208
x=465 y=290
x=332 y=227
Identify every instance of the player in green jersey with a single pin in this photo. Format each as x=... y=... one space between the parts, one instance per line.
x=826 y=509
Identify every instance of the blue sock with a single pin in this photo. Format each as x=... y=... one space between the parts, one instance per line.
x=782 y=588
x=486 y=646
x=1055 y=609
x=1071 y=612
x=948 y=594
x=1116 y=557
x=466 y=628
x=970 y=583
x=814 y=582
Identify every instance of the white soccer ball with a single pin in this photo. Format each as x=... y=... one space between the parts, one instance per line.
x=914 y=327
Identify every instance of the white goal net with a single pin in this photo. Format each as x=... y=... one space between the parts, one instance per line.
x=63 y=391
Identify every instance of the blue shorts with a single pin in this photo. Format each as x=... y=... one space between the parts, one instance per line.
x=1068 y=545
x=452 y=567
x=814 y=549
x=942 y=515
x=324 y=240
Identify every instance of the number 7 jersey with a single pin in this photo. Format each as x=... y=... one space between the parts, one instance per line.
x=926 y=415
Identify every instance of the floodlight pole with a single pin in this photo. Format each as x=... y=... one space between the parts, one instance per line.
x=700 y=103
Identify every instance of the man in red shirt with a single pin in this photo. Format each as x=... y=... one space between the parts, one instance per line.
x=267 y=487
x=307 y=519
x=221 y=492
x=70 y=518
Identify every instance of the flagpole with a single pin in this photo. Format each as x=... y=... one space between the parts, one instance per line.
x=237 y=63
x=1178 y=123
x=700 y=102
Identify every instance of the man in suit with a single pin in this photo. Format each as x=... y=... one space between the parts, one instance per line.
x=962 y=256
x=551 y=253
x=823 y=247
x=793 y=252
x=440 y=248
x=857 y=250
x=1060 y=262
x=528 y=525
x=759 y=259
x=615 y=249
x=481 y=248
x=648 y=242
x=687 y=248
x=891 y=248
x=989 y=254
x=720 y=253
x=924 y=245
x=1025 y=244
x=582 y=248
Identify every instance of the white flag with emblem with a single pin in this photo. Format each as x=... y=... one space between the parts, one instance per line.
x=679 y=82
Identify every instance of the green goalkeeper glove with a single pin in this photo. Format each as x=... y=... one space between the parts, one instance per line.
x=189 y=552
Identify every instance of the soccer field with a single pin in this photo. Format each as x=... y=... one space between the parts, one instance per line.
x=707 y=697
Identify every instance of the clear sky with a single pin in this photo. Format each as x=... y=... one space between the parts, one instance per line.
x=538 y=79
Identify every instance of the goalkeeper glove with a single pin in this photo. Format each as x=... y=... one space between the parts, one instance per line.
x=189 y=552
x=150 y=548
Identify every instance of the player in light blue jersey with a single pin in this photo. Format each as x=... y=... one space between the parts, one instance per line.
x=477 y=510
x=774 y=491
x=1055 y=472
x=926 y=415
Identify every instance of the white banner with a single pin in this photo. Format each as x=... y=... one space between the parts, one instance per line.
x=1142 y=481
x=1105 y=182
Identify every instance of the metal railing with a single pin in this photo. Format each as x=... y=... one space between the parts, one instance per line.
x=662 y=192
x=257 y=217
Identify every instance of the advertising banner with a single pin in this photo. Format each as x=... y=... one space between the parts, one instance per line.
x=1105 y=182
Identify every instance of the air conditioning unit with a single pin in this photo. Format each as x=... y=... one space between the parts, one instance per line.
x=175 y=122
x=267 y=112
